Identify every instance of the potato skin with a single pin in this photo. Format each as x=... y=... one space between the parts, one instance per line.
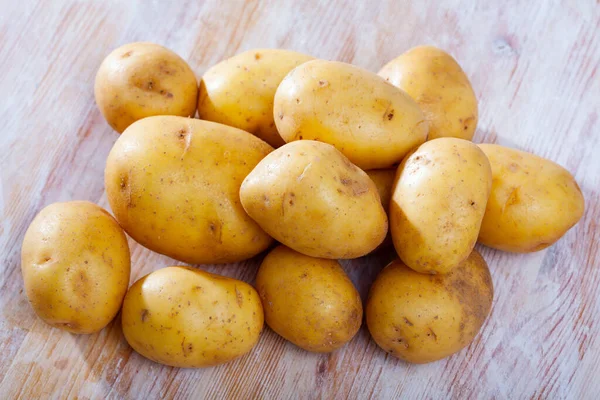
x=438 y=203
x=173 y=184
x=422 y=318
x=371 y=122
x=311 y=198
x=438 y=84
x=309 y=301
x=141 y=79
x=384 y=181
x=533 y=201
x=185 y=317
x=75 y=264
x=239 y=91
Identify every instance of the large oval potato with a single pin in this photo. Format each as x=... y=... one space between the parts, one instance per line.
x=439 y=85
x=533 y=202
x=75 y=264
x=239 y=91
x=421 y=318
x=311 y=198
x=138 y=80
x=438 y=204
x=371 y=122
x=189 y=318
x=309 y=301
x=173 y=184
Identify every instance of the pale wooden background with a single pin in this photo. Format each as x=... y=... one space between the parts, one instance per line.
x=535 y=70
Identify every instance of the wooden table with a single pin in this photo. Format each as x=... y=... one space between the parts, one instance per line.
x=535 y=70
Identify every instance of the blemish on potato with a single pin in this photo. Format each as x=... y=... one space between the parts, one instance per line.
x=144 y=314
x=239 y=297
x=408 y=322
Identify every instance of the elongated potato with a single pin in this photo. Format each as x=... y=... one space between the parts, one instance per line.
x=311 y=198
x=533 y=202
x=438 y=204
x=422 y=318
x=439 y=85
x=138 y=80
x=185 y=317
x=173 y=184
x=75 y=264
x=309 y=301
x=371 y=122
x=239 y=91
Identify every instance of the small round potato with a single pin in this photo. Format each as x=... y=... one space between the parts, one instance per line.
x=438 y=203
x=239 y=91
x=370 y=121
x=309 y=301
x=185 y=317
x=533 y=202
x=421 y=318
x=311 y=198
x=384 y=180
x=75 y=263
x=173 y=184
x=138 y=80
x=439 y=85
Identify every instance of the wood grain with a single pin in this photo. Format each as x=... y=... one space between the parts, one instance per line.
x=534 y=66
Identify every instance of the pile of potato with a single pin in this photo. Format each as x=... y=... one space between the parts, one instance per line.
x=315 y=155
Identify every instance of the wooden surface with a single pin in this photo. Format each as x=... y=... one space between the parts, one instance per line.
x=534 y=66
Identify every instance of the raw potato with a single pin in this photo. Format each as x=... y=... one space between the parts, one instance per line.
x=384 y=180
x=75 y=264
x=239 y=91
x=371 y=122
x=533 y=202
x=309 y=301
x=311 y=198
x=185 y=317
x=439 y=85
x=138 y=80
x=438 y=204
x=173 y=184
x=421 y=318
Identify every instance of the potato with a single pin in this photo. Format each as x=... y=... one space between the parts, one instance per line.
x=309 y=301
x=372 y=122
x=138 y=80
x=439 y=85
x=533 y=202
x=239 y=91
x=75 y=264
x=438 y=204
x=311 y=198
x=421 y=318
x=173 y=184
x=185 y=317
x=384 y=181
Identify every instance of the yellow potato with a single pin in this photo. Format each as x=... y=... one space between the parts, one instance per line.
x=533 y=202
x=421 y=318
x=239 y=91
x=309 y=301
x=438 y=204
x=138 y=80
x=384 y=180
x=173 y=184
x=185 y=317
x=75 y=264
x=371 y=122
x=311 y=198
x=439 y=85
